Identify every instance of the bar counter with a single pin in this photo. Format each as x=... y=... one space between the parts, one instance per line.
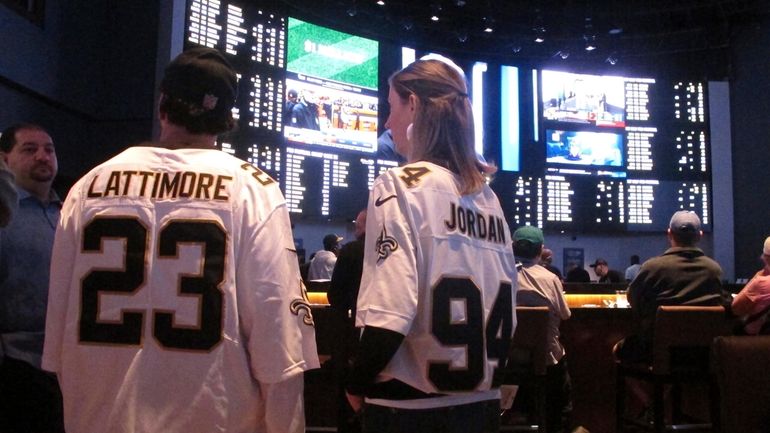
x=588 y=338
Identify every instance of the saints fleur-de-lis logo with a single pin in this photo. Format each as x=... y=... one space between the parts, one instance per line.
x=302 y=306
x=385 y=245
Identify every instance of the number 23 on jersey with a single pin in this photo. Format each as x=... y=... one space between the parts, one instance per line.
x=131 y=278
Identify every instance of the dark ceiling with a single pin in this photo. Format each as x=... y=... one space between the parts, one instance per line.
x=624 y=32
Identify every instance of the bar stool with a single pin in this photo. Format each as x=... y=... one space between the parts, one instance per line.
x=681 y=347
x=740 y=366
x=527 y=359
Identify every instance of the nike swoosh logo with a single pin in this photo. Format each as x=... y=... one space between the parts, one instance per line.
x=380 y=201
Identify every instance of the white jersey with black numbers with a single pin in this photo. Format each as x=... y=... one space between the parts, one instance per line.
x=176 y=303
x=439 y=269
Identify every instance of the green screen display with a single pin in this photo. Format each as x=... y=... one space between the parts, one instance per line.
x=323 y=53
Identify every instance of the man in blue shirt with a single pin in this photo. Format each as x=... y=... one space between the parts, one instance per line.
x=30 y=400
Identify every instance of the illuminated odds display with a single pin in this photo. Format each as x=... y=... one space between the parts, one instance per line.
x=577 y=152
x=605 y=153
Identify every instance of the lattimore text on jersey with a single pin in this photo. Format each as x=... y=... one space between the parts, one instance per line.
x=161 y=185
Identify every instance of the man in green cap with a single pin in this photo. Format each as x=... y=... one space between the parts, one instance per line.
x=538 y=287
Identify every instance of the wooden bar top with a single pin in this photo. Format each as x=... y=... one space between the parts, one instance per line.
x=574 y=300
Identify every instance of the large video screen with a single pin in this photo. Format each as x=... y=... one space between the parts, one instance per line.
x=307 y=108
x=331 y=88
x=584 y=148
x=599 y=153
x=581 y=98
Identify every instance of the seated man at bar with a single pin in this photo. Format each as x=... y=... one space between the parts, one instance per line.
x=605 y=274
x=538 y=287
x=576 y=274
x=546 y=261
x=682 y=275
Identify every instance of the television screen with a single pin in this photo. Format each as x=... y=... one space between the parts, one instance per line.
x=581 y=98
x=598 y=153
x=584 y=148
x=331 y=88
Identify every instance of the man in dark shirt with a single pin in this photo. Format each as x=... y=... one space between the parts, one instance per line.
x=605 y=274
x=576 y=274
x=343 y=293
x=682 y=275
x=546 y=261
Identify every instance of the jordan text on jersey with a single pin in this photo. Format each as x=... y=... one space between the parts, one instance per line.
x=475 y=224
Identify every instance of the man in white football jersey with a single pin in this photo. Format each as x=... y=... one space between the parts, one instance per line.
x=176 y=303
x=438 y=289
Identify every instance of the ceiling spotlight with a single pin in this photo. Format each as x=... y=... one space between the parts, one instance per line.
x=612 y=59
x=435 y=8
x=352 y=10
x=539 y=34
x=407 y=24
x=516 y=49
x=381 y=2
x=589 y=35
x=462 y=35
x=489 y=24
x=460 y=3
x=563 y=54
x=590 y=42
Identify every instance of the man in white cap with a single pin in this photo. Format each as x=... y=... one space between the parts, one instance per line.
x=753 y=301
x=682 y=275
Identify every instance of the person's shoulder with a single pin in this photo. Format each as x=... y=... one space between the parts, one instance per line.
x=131 y=155
x=539 y=270
x=422 y=173
x=656 y=261
x=352 y=247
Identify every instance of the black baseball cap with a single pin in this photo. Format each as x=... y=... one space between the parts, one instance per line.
x=599 y=262
x=203 y=79
x=331 y=240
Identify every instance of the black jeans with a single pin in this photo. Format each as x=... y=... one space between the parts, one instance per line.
x=481 y=417
x=30 y=399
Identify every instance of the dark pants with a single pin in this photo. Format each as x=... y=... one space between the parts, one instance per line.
x=633 y=349
x=343 y=351
x=481 y=417
x=558 y=399
x=30 y=399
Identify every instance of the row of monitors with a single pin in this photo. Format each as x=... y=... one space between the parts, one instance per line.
x=575 y=150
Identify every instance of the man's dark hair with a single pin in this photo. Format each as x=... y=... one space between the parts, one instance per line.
x=686 y=238
x=634 y=259
x=199 y=88
x=8 y=138
x=526 y=249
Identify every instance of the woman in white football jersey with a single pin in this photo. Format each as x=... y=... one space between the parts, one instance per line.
x=438 y=287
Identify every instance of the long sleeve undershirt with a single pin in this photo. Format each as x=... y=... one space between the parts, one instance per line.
x=376 y=349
